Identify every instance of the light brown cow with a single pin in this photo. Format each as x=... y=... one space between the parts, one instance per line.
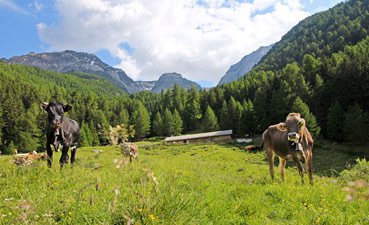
x=289 y=139
x=129 y=150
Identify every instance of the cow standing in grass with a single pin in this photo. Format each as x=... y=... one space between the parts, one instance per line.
x=289 y=139
x=60 y=130
x=129 y=150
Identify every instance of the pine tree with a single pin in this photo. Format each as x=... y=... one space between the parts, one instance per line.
x=177 y=99
x=101 y=125
x=124 y=117
x=167 y=118
x=192 y=110
x=335 y=117
x=86 y=138
x=94 y=138
x=300 y=107
x=224 y=117
x=356 y=124
x=157 y=125
x=209 y=121
x=29 y=130
x=248 y=119
x=141 y=121
x=235 y=111
x=176 y=124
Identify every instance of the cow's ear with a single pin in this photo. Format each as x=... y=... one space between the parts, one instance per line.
x=301 y=123
x=66 y=108
x=282 y=126
x=44 y=106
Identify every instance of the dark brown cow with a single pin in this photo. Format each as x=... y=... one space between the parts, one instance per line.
x=289 y=139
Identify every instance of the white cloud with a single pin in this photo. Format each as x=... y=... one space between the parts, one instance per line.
x=14 y=7
x=200 y=41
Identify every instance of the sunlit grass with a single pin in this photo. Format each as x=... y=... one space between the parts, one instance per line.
x=172 y=184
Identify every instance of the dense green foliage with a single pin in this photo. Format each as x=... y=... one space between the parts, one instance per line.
x=322 y=60
x=181 y=184
x=97 y=104
x=322 y=63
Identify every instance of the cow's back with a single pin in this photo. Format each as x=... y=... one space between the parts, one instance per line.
x=71 y=130
x=275 y=138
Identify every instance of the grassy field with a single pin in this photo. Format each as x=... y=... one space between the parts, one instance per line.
x=184 y=184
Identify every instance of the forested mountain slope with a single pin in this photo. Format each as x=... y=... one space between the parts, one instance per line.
x=322 y=61
x=71 y=61
x=96 y=102
x=321 y=35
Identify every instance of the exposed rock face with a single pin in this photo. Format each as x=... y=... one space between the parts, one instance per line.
x=146 y=85
x=245 y=65
x=71 y=61
x=167 y=80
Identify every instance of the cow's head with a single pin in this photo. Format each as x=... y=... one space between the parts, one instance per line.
x=294 y=125
x=129 y=150
x=55 y=112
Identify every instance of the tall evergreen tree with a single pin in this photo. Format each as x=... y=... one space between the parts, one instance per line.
x=167 y=120
x=224 y=117
x=86 y=138
x=29 y=131
x=94 y=139
x=192 y=110
x=356 y=124
x=311 y=123
x=157 y=125
x=336 y=115
x=248 y=119
x=235 y=110
x=141 y=121
x=176 y=123
x=101 y=126
x=209 y=121
x=124 y=117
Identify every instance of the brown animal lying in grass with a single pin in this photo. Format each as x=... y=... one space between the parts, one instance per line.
x=28 y=158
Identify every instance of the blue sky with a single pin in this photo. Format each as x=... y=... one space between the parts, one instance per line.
x=199 y=39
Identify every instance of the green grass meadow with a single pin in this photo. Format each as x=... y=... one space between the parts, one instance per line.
x=184 y=184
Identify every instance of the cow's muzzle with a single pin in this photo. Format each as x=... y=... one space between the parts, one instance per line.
x=56 y=125
x=294 y=137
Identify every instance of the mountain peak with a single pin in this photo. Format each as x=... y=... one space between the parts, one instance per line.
x=167 y=80
x=71 y=61
x=244 y=65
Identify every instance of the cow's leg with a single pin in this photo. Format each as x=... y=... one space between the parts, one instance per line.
x=73 y=154
x=296 y=159
x=282 y=165
x=49 y=155
x=309 y=165
x=64 y=157
x=270 y=158
x=130 y=159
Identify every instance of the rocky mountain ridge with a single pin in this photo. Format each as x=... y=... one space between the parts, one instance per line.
x=244 y=65
x=70 y=62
